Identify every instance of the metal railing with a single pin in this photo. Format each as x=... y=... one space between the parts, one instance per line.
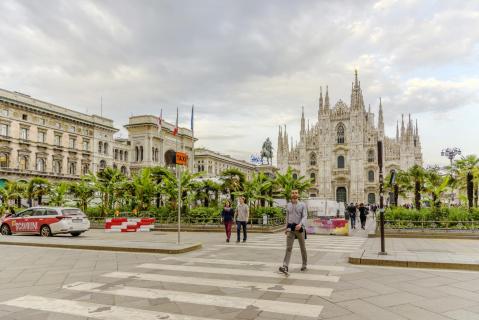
x=430 y=225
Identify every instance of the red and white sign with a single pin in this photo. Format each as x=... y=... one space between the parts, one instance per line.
x=129 y=224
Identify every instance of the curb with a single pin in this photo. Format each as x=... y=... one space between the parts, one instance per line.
x=192 y=247
x=357 y=258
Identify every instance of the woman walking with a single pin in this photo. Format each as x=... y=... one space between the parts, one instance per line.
x=363 y=211
x=227 y=216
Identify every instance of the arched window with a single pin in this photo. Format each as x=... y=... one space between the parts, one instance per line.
x=137 y=154
x=4 y=160
x=72 y=168
x=115 y=166
x=116 y=154
x=85 y=168
x=295 y=176
x=340 y=162
x=141 y=153
x=312 y=159
x=23 y=164
x=57 y=166
x=371 y=155
x=312 y=176
x=40 y=165
x=341 y=194
x=105 y=148
x=123 y=170
x=153 y=154
x=371 y=176
x=125 y=156
x=340 y=133
x=100 y=147
x=102 y=164
x=157 y=155
x=121 y=155
x=371 y=198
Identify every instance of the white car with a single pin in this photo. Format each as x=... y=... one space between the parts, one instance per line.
x=46 y=221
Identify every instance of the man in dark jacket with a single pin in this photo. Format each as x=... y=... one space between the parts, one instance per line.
x=352 y=214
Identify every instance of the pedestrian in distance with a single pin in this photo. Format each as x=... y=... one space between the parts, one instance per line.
x=352 y=214
x=363 y=211
x=227 y=215
x=296 y=216
x=374 y=209
x=241 y=218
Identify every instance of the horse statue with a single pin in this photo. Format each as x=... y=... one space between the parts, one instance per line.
x=267 y=152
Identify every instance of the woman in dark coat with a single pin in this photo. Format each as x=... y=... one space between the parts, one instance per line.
x=363 y=211
x=227 y=216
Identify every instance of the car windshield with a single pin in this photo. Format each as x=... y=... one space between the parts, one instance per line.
x=73 y=212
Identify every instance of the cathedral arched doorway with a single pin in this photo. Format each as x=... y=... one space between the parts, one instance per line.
x=341 y=194
x=170 y=157
x=371 y=198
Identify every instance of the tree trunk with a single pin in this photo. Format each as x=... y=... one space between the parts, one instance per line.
x=207 y=201
x=157 y=200
x=475 y=194
x=39 y=200
x=470 y=190
x=396 y=194
x=417 y=195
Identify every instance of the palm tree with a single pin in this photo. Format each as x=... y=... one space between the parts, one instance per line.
x=58 y=192
x=468 y=175
x=400 y=187
x=107 y=181
x=435 y=184
x=145 y=188
x=257 y=189
x=204 y=190
x=286 y=182
x=417 y=174
x=83 y=191
x=37 y=187
x=233 y=181
x=159 y=174
x=12 y=191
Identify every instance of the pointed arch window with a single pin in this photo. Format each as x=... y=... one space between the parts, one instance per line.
x=312 y=176
x=341 y=162
x=340 y=133
x=371 y=176
x=370 y=155
x=312 y=159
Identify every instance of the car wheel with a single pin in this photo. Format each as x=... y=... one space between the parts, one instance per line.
x=45 y=231
x=75 y=234
x=5 y=230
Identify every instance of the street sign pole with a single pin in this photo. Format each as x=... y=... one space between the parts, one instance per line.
x=381 y=196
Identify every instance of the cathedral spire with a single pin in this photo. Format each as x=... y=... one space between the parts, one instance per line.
x=285 y=140
x=381 y=119
x=326 y=100
x=303 y=123
x=357 y=102
x=280 y=141
x=320 y=101
x=397 y=131
x=356 y=85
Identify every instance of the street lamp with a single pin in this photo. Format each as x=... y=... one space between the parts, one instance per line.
x=451 y=153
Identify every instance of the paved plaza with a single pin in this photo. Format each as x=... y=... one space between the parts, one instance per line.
x=227 y=281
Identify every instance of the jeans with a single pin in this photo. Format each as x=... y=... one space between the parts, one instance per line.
x=353 y=221
x=291 y=235
x=240 y=224
x=228 y=228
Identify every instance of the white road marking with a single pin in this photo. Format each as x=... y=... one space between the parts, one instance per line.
x=253 y=263
x=308 y=243
x=238 y=272
x=92 y=310
x=203 y=299
x=272 y=287
x=232 y=246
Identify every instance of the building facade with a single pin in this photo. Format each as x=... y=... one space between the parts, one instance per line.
x=339 y=151
x=40 y=139
x=213 y=163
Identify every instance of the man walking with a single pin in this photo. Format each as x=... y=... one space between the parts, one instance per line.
x=352 y=214
x=241 y=217
x=296 y=215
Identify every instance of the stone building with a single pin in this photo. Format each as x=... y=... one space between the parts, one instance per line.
x=40 y=139
x=339 y=151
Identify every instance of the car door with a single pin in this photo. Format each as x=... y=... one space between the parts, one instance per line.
x=37 y=219
x=19 y=223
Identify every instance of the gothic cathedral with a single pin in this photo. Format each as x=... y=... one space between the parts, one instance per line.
x=339 y=152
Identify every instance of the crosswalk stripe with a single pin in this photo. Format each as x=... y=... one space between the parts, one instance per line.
x=252 y=263
x=239 y=272
x=92 y=310
x=282 y=248
x=313 y=243
x=282 y=307
x=325 y=240
x=272 y=287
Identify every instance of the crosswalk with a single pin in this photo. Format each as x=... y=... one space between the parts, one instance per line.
x=314 y=243
x=193 y=283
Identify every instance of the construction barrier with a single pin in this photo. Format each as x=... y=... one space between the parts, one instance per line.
x=129 y=224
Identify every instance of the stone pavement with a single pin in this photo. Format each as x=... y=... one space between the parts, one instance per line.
x=94 y=239
x=227 y=281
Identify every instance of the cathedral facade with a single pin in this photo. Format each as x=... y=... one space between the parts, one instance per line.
x=339 y=152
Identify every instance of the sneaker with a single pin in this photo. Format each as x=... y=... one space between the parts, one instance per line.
x=227 y=240
x=303 y=268
x=244 y=240
x=283 y=269
x=237 y=241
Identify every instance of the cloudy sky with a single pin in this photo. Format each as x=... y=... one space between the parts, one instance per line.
x=248 y=66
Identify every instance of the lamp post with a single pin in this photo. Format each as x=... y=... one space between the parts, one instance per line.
x=381 y=197
x=451 y=153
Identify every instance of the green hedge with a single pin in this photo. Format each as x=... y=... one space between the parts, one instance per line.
x=271 y=212
x=429 y=214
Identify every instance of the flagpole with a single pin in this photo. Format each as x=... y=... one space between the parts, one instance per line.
x=193 y=136
x=178 y=177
